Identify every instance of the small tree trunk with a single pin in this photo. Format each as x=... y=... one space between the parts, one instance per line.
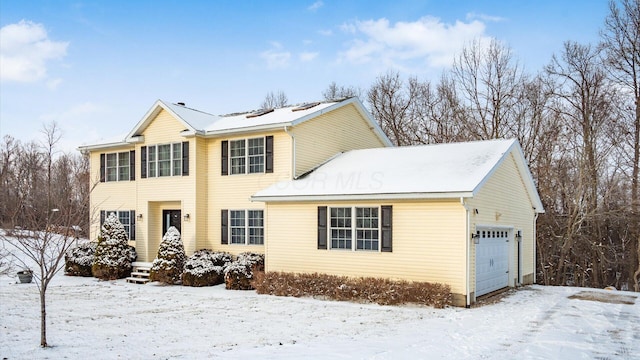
x=43 y=319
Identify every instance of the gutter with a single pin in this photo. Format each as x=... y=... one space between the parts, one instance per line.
x=468 y=250
x=293 y=152
x=535 y=247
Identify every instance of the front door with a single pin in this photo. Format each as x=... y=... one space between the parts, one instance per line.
x=171 y=218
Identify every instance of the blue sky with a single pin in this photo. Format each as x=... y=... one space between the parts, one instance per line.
x=96 y=67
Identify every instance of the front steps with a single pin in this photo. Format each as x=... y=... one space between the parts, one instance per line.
x=140 y=273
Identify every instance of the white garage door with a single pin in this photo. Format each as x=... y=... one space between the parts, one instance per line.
x=492 y=261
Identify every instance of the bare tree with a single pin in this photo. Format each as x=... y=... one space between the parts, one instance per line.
x=47 y=232
x=621 y=42
x=337 y=92
x=274 y=100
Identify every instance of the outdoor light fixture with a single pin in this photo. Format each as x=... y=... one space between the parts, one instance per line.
x=476 y=238
x=139 y=216
x=518 y=236
x=187 y=217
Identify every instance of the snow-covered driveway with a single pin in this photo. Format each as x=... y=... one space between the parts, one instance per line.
x=116 y=320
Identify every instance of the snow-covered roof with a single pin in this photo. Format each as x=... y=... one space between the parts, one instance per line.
x=426 y=171
x=197 y=122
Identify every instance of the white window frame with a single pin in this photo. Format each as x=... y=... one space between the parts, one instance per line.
x=353 y=229
x=173 y=163
x=250 y=163
x=248 y=231
x=117 y=167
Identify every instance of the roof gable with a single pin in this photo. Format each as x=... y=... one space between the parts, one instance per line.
x=426 y=171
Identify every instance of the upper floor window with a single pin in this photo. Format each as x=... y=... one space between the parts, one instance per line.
x=165 y=160
x=117 y=166
x=247 y=156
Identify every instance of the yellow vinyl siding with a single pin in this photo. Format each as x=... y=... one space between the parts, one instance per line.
x=504 y=202
x=200 y=174
x=329 y=134
x=428 y=243
x=233 y=192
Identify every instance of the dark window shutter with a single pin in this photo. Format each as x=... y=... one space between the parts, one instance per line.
x=185 y=158
x=225 y=157
x=103 y=215
x=268 y=151
x=224 y=227
x=387 y=224
x=102 y=167
x=132 y=165
x=143 y=162
x=322 y=227
x=132 y=225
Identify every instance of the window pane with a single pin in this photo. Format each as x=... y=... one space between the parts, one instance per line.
x=367 y=235
x=237 y=156
x=341 y=228
x=177 y=159
x=256 y=155
x=123 y=166
x=112 y=167
x=164 y=160
x=125 y=219
x=152 y=161
x=256 y=227
x=237 y=226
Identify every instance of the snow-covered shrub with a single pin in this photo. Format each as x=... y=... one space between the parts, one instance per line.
x=167 y=267
x=79 y=259
x=238 y=275
x=113 y=254
x=205 y=268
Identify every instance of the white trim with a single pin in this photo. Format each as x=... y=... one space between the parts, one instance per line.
x=373 y=196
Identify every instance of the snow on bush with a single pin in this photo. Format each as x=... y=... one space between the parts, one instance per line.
x=79 y=259
x=169 y=264
x=113 y=256
x=205 y=268
x=238 y=275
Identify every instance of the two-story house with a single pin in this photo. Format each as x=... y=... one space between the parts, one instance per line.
x=197 y=171
x=319 y=188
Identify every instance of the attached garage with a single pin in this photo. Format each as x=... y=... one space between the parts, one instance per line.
x=454 y=213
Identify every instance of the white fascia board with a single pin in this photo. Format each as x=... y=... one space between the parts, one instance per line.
x=363 y=197
x=246 y=130
x=102 y=146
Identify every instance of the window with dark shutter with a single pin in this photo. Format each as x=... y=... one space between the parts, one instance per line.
x=143 y=162
x=132 y=229
x=102 y=167
x=387 y=225
x=322 y=227
x=185 y=158
x=224 y=226
x=132 y=165
x=268 y=154
x=225 y=157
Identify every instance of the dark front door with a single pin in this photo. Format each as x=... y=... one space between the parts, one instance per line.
x=171 y=218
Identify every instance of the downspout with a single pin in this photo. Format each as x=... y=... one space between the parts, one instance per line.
x=293 y=152
x=467 y=248
x=535 y=242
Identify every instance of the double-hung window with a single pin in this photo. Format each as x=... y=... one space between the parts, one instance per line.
x=116 y=166
x=164 y=160
x=247 y=156
x=127 y=218
x=354 y=228
x=245 y=227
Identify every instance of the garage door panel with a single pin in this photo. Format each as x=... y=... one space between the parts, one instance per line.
x=492 y=261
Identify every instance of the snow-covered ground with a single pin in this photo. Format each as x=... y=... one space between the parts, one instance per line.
x=92 y=319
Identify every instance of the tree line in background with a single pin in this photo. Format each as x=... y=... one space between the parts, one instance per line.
x=578 y=122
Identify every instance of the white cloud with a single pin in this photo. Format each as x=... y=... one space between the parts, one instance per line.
x=392 y=44
x=308 y=56
x=276 y=57
x=325 y=32
x=25 y=50
x=315 y=6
